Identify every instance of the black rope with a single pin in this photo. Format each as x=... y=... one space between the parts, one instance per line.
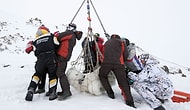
x=99 y=20
x=88 y=8
x=77 y=11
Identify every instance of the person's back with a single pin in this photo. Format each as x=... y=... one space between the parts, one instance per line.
x=44 y=44
x=114 y=55
x=44 y=49
x=113 y=51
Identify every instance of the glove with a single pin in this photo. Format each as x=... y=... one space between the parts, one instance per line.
x=56 y=34
x=131 y=81
x=72 y=27
x=29 y=47
x=107 y=35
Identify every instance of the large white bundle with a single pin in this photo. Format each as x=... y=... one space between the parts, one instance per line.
x=89 y=82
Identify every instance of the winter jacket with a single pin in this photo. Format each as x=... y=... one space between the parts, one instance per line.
x=115 y=51
x=152 y=83
x=67 y=42
x=100 y=46
x=45 y=43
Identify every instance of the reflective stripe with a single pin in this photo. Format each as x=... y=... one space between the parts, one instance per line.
x=52 y=83
x=36 y=79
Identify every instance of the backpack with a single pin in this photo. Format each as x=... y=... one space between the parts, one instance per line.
x=133 y=63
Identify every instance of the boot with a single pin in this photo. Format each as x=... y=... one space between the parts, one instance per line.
x=111 y=94
x=131 y=104
x=47 y=93
x=39 y=91
x=29 y=95
x=65 y=95
x=162 y=100
x=160 y=108
x=52 y=93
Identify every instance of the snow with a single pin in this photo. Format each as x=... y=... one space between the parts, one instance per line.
x=17 y=68
x=15 y=79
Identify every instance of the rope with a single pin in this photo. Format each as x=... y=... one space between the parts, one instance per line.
x=86 y=54
x=107 y=36
x=77 y=11
x=89 y=18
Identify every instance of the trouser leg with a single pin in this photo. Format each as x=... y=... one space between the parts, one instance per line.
x=147 y=95
x=121 y=77
x=64 y=83
x=42 y=82
x=103 y=75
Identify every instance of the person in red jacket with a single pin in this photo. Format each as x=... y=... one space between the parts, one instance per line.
x=67 y=41
x=100 y=44
x=92 y=52
x=114 y=53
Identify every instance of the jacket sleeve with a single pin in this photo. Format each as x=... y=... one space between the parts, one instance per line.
x=29 y=47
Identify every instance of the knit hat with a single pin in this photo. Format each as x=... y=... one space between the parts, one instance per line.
x=126 y=41
x=115 y=36
x=42 y=30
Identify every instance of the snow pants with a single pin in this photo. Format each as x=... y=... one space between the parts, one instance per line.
x=62 y=65
x=119 y=72
x=152 y=91
x=45 y=63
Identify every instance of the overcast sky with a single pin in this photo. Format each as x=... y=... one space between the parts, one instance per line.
x=160 y=27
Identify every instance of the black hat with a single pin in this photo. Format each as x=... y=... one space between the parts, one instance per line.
x=115 y=36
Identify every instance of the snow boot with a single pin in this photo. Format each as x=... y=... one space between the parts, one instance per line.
x=111 y=94
x=162 y=100
x=52 y=93
x=131 y=104
x=160 y=108
x=47 y=93
x=52 y=96
x=65 y=95
x=29 y=95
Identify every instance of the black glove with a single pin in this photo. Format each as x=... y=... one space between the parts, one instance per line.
x=107 y=35
x=72 y=26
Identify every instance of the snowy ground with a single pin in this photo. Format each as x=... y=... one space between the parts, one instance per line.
x=15 y=79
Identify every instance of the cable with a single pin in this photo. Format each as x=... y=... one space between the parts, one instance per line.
x=77 y=11
x=107 y=36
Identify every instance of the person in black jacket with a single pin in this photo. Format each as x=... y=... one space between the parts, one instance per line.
x=44 y=47
x=114 y=54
